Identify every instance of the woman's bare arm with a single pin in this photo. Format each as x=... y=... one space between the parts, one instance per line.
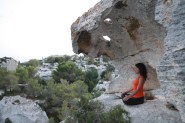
x=129 y=90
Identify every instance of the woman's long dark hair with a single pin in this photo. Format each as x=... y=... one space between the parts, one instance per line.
x=142 y=69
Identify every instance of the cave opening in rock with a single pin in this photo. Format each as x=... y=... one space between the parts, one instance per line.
x=84 y=42
x=120 y=5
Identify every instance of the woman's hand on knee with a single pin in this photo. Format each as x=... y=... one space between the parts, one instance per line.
x=126 y=98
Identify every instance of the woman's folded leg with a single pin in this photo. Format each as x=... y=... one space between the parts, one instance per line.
x=134 y=101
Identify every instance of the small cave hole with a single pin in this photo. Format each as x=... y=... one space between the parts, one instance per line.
x=106 y=38
x=108 y=21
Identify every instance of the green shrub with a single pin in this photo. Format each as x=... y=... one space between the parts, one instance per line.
x=106 y=75
x=51 y=120
x=115 y=115
x=89 y=111
x=68 y=71
x=96 y=93
x=91 y=78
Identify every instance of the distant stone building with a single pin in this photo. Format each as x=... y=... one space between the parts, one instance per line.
x=8 y=63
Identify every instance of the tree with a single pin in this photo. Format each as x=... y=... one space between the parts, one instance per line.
x=64 y=111
x=68 y=71
x=31 y=71
x=11 y=81
x=8 y=80
x=22 y=73
x=79 y=88
x=34 y=89
x=3 y=73
x=54 y=59
x=91 y=78
x=33 y=63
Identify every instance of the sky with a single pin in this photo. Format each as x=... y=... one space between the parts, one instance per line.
x=35 y=29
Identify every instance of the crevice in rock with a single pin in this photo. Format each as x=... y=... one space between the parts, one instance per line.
x=171 y=106
x=141 y=51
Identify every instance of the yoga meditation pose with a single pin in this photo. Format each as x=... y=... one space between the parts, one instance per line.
x=135 y=95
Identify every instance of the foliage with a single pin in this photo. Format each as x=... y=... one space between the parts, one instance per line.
x=54 y=59
x=33 y=63
x=31 y=71
x=34 y=89
x=8 y=80
x=52 y=120
x=96 y=93
x=64 y=112
x=115 y=115
x=23 y=74
x=11 y=81
x=61 y=94
x=89 y=111
x=68 y=71
x=91 y=78
x=79 y=88
x=106 y=75
x=3 y=73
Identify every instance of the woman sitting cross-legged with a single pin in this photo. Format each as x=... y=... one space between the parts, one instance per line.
x=136 y=95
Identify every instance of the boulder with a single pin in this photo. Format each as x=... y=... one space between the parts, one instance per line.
x=21 y=110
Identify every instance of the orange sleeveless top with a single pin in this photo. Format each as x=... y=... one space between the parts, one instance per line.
x=140 y=92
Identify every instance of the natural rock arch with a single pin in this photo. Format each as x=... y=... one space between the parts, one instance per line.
x=135 y=37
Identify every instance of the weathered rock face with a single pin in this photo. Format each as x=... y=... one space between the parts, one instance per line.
x=171 y=70
x=21 y=110
x=148 y=31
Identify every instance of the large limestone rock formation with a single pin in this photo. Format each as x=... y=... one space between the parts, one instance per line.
x=131 y=31
x=134 y=35
x=21 y=110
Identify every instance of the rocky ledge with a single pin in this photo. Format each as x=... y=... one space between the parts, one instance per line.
x=152 y=111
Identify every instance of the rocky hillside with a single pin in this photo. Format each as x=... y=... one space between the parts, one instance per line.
x=148 y=31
